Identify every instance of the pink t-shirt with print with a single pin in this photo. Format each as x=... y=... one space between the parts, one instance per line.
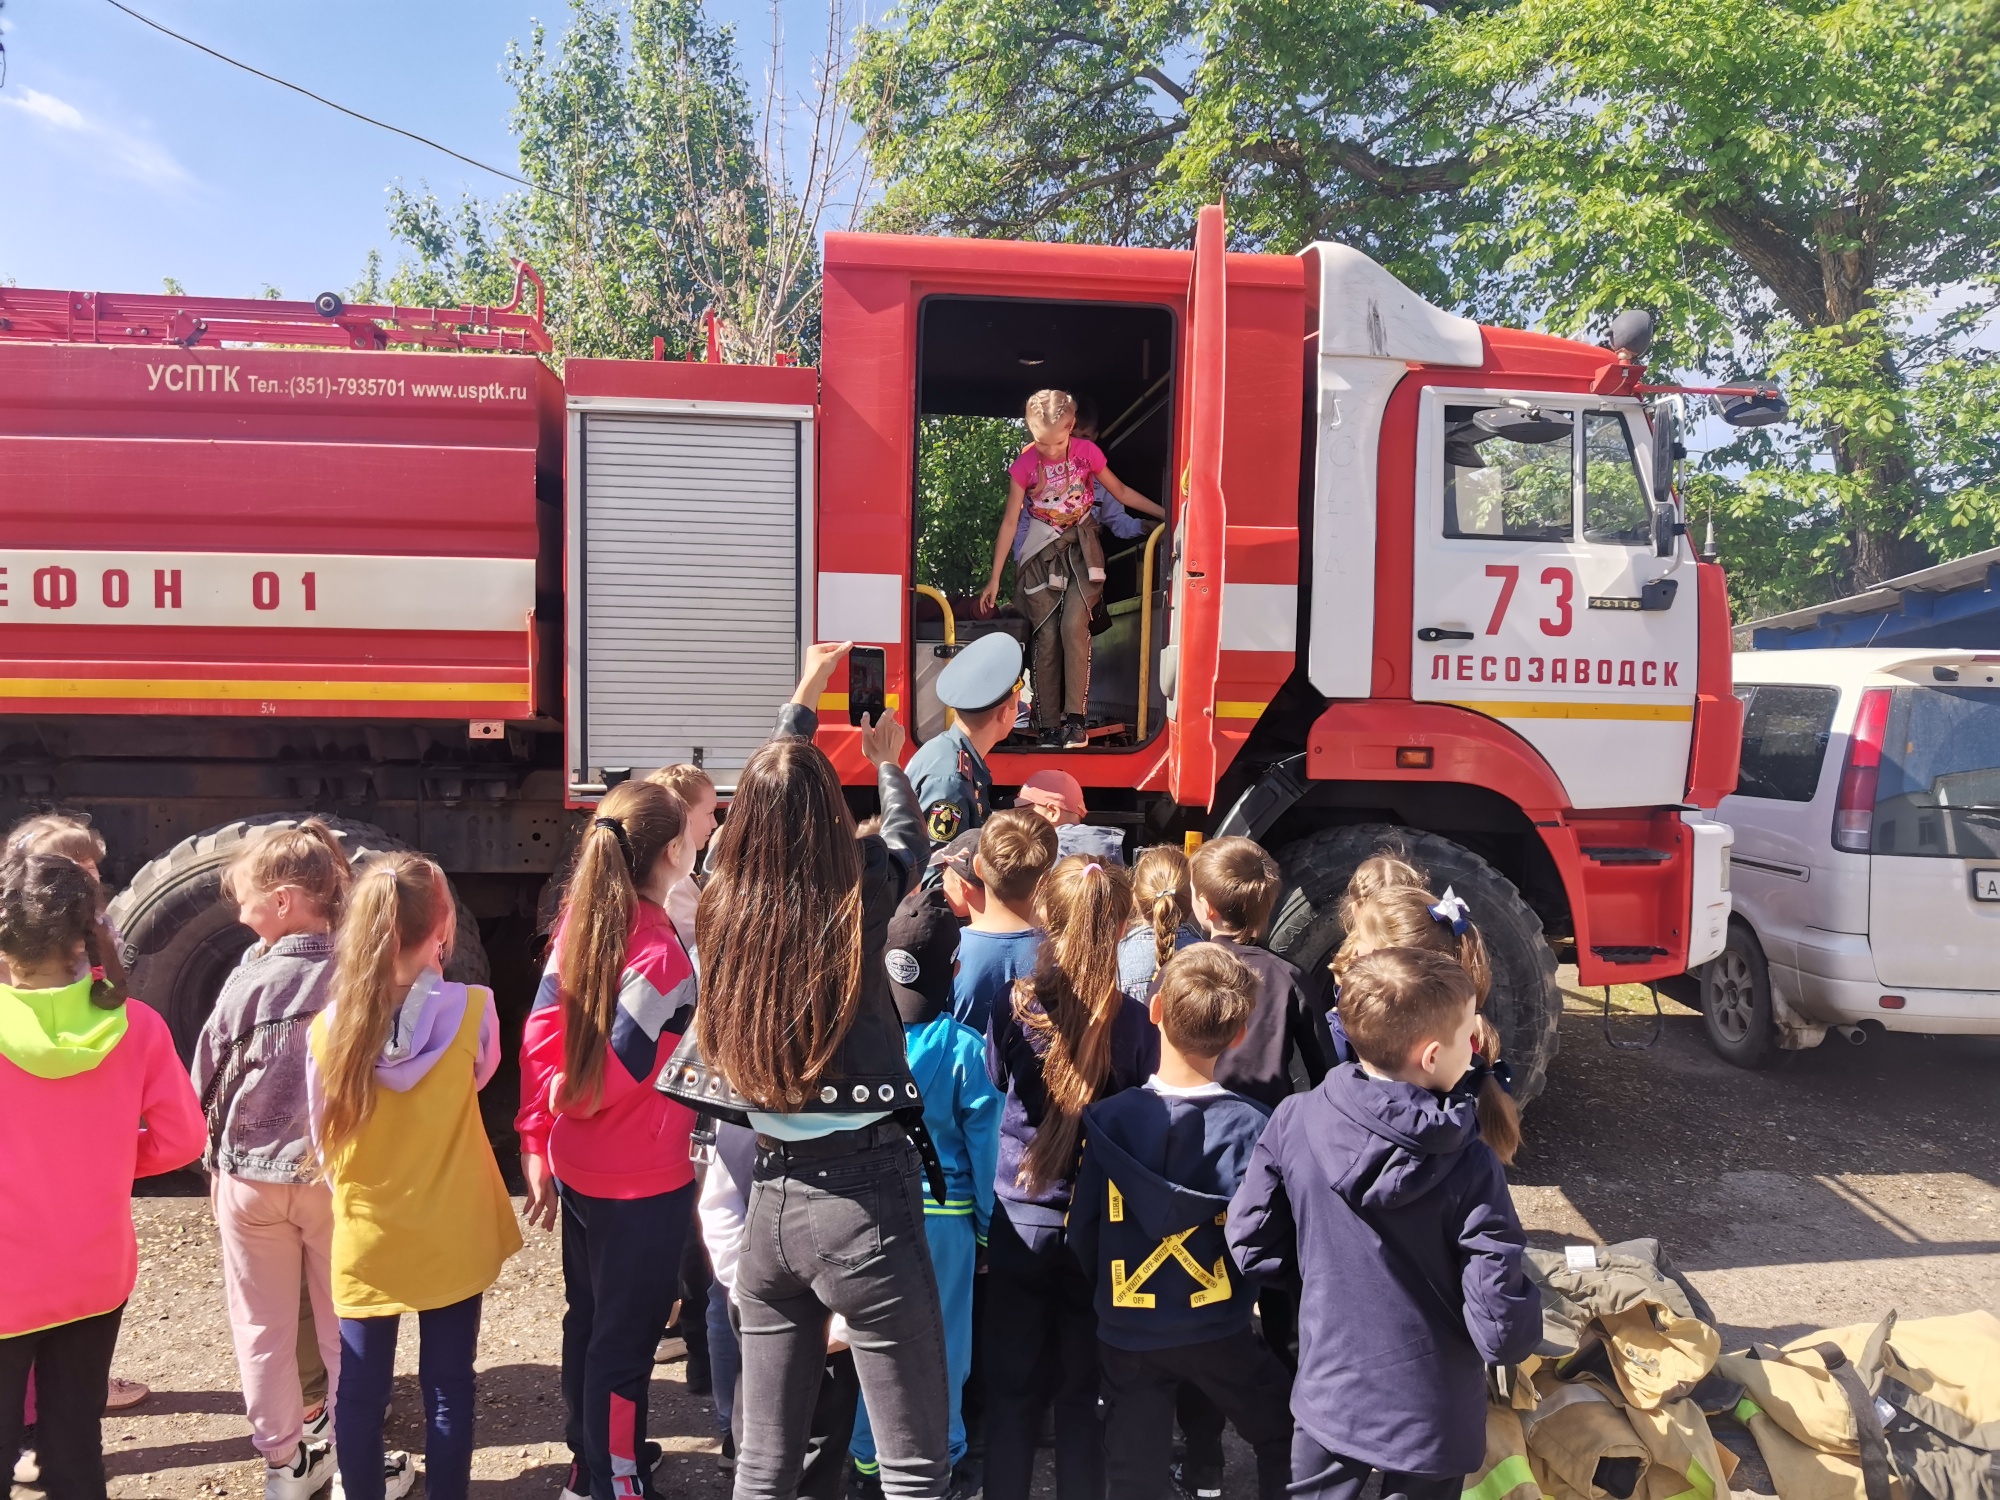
x=1059 y=490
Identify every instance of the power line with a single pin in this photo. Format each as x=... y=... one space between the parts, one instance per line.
x=322 y=99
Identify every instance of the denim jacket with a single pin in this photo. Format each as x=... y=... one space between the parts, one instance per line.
x=250 y=1061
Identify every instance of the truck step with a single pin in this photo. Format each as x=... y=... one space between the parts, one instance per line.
x=1626 y=854
x=1628 y=955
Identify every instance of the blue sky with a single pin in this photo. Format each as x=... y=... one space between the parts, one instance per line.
x=126 y=156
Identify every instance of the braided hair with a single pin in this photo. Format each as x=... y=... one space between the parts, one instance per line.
x=48 y=909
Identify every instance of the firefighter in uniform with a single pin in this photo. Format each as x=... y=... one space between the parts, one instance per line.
x=954 y=788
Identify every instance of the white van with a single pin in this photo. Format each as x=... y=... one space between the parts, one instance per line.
x=1866 y=868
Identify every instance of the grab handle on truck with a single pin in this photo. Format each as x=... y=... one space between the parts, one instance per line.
x=937 y=597
x=1146 y=629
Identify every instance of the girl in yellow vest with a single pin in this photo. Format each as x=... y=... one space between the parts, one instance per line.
x=421 y=1220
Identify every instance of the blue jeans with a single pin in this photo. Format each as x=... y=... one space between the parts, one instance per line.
x=617 y=1307
x=725 y=1360
x=447 y=1341
x=954 y=1256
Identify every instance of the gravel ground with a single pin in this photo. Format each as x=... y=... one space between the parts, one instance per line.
x=1847 y=1182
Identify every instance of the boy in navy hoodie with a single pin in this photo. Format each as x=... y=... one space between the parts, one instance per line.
x=1159 y=1164
x=1376 y=1192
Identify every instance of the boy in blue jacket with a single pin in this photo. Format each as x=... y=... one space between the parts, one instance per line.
x=1159 y=1164
x=962 y=1114
x=1375 y=1192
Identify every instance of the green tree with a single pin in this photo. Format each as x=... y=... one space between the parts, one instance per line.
x=1797 y=196
x=1809 y=198
x=659 y=192
x=961 y=494
x=1113 y=122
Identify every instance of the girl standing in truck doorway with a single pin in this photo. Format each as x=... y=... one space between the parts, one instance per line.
x=421 y=1219
x=1059 y=574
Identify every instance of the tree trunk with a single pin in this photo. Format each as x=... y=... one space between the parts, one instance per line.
x=1880 y=545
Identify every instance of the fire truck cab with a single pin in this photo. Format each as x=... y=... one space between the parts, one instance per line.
x=1421 y=582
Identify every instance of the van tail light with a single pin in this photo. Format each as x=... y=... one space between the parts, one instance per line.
x=1854 y=809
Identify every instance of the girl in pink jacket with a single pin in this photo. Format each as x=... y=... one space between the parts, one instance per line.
x=601 y=1148
x=91 y=1076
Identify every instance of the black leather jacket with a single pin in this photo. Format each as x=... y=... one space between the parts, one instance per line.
x=870 y=1069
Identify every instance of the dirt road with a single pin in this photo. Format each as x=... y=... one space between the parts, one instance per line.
x=1851 y=1181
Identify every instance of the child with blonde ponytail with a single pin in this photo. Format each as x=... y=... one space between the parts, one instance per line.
x=1394 y=909
x=602 y=1149
x=1162 y=917
x=1070 y=1036
x=421 y=1219
x=273 y=1209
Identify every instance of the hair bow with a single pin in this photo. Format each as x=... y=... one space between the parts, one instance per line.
x=1450 y=908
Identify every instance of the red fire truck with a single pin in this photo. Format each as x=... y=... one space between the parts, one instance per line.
x=1421 y=580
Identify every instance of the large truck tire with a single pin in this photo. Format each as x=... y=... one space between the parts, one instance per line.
x=180 y=936
x=1525 y=1005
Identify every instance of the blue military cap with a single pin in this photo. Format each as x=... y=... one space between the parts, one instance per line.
x=982 y=674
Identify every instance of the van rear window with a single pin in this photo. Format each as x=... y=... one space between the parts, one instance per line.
x=1939 y=789
x=1784 y=739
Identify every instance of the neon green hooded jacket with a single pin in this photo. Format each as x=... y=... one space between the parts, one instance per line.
x=89 y=1100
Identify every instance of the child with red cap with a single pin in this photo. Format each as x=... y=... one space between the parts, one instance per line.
x=1058 y=796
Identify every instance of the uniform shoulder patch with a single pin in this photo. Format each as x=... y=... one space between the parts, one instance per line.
x=942 y=821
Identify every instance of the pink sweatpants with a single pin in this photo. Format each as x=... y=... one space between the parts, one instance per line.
x=271 y=1234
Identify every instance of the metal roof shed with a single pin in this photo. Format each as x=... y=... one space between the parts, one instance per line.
x=1952 y=604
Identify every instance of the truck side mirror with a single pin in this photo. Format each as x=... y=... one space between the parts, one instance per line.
x=1666 y=448
x=1667 y=528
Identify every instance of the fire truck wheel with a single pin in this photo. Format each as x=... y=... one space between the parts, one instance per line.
x=1525 y=1004
x=181 y=936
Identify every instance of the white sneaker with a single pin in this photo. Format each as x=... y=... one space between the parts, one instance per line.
x=302 y=1477
x=399 y=1477
x=319 y=1427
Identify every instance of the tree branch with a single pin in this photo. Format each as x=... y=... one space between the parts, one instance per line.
x=1775 y=255
x=1392 y=179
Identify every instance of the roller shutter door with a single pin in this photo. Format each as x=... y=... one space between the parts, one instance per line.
x=688 y=553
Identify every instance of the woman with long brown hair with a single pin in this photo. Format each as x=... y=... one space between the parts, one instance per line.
x=1070 y=1036
x=798 y=1036
x=616 y=996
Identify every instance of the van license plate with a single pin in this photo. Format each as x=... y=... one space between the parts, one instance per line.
x=1986 y=885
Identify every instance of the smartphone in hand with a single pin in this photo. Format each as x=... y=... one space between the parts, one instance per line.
x=867 y=684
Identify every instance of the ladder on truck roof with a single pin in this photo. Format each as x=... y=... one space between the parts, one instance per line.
x=35 y=316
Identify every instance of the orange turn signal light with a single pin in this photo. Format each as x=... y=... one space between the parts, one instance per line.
x=1413 y=757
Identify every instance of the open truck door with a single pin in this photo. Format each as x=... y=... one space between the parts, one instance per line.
x=1204 y=517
